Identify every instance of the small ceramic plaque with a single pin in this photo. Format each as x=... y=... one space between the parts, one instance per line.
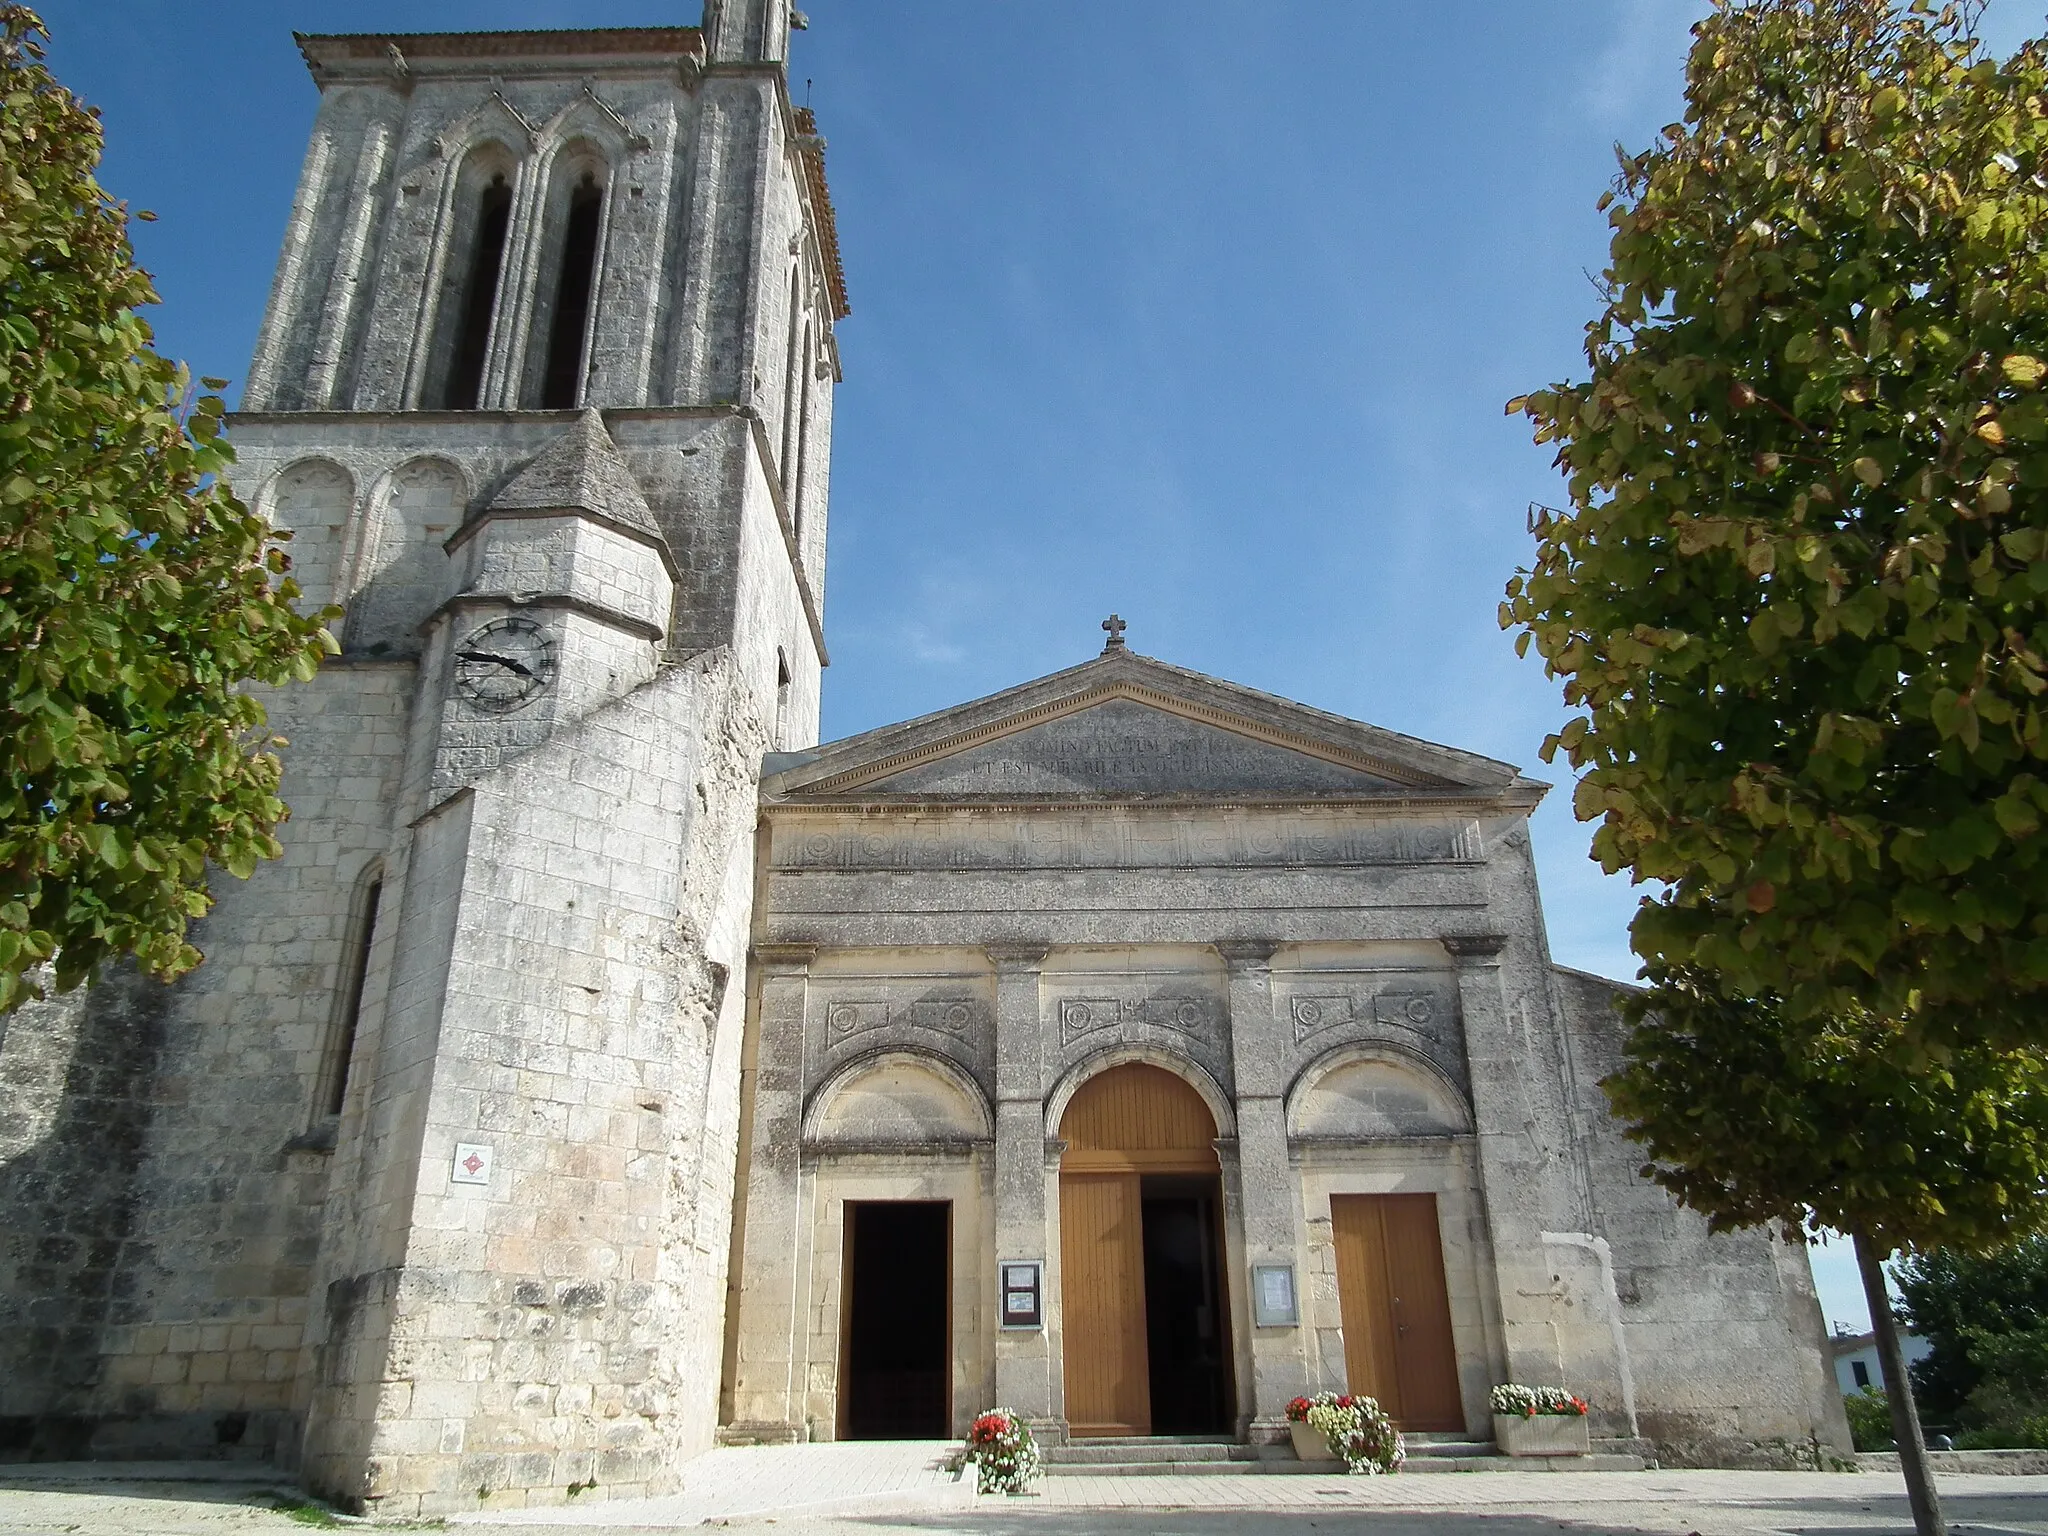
x=472 y=1163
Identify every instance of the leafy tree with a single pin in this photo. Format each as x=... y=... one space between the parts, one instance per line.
x=137 y=595
x=1870 y=1419
x=1799 y=601
x=1756 y=1117
x=1800 y=595
x=1986 y=1319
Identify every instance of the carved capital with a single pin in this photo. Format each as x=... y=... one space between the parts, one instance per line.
x=784 y=959
x=1246 y=954
x=1018 y=957
x=1475 y=946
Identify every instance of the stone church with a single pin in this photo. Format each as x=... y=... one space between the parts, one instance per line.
x=607 y=1070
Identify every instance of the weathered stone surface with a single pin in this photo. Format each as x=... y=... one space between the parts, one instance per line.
x=198 y=1254
x=582 y=471
x=1346 y=961
x=507 y=1137
x=1122 y=747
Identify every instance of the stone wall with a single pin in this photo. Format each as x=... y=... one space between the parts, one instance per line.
x=579 y=1018
x=1724 y=1333
x=76 y=1097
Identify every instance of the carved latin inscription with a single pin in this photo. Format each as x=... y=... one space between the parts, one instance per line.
x=1125 y=747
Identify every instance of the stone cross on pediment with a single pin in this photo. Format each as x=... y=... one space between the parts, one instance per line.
x=1115 y=627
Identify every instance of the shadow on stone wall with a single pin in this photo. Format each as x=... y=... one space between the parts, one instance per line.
x=76 y=1076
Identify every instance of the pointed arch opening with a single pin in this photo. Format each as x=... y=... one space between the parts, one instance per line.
x=473 y=269
x=568 y=327
x=561 y=313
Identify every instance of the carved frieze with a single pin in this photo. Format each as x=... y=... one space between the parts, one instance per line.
x=1113 y=841
x=959 y=1017
x=1312 y=1013
x=1200 y=1017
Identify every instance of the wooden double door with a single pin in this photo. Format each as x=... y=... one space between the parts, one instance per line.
x=1396 y=1309
x=1144 y=1313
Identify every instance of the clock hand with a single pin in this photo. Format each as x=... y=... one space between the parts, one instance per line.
x=503 y=661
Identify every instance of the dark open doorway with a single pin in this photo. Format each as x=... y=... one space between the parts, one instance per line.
x=1186 y=1337
x=897 y=1357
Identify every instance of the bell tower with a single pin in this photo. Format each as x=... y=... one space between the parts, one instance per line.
x=543 y=396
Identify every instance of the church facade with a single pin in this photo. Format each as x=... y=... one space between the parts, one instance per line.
x=606 y=1070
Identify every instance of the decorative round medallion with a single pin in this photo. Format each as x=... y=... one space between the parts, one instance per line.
x=504 y=664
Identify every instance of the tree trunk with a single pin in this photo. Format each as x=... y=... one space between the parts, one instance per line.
x=1898 y=1391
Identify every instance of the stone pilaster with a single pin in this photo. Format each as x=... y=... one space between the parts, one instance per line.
x=1517 y=1157
x=768 y=1386
x=1025 y=1361
x=1269 y=1196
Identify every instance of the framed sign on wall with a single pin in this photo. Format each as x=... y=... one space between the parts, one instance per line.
x=1274 y=1303
x=1022 y=1303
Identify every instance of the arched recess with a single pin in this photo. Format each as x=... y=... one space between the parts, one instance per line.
x=1375 y=1091
x=314 y=499
x=898 y=1098
x=404 y=568
x=1213 y=1098
x=474 y=238
x=561 y=308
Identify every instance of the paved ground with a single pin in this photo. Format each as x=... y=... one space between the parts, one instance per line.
x=899 y=1491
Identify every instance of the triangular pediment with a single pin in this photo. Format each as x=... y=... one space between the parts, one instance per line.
x=1126 y=727
x=1123 y=746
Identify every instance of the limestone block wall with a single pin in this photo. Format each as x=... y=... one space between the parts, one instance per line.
x=76 y=1099
x=201 y=1306
x=569 y=1003
x=1369 y=995
x=1724 y=1333
x=703 y=473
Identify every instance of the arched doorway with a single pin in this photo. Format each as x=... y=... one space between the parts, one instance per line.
x=1146 y=1322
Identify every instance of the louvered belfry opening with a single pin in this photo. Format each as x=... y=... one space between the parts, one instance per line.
x=479 y=298
x=1147 y=1337
x=562 y=382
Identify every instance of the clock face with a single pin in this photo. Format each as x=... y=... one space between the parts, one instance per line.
x=504 y=664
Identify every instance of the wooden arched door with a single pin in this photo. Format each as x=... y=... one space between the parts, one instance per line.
x=1146 y=1339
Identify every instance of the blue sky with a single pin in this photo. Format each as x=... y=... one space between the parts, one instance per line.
x=1200 y=312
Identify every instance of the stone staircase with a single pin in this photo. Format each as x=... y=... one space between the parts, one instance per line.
x=1215 y=1456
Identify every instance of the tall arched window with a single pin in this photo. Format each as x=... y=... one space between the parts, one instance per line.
x=562 y=378
x=473 y=263
x=479 y=298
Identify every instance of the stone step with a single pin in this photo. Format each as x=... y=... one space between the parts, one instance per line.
x=1286 y=1464
x=1096 y=1452
x=1432 y=1445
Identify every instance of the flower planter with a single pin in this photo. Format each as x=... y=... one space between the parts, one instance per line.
x=1545 y=1434
x=1309 y=1444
